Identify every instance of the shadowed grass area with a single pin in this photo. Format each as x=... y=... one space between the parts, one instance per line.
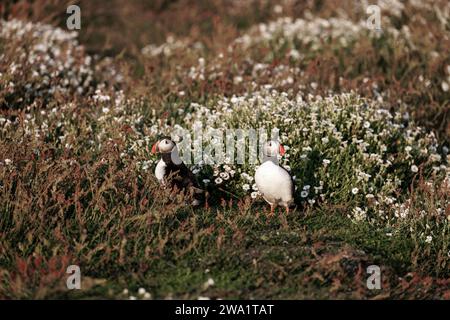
x=317 y=255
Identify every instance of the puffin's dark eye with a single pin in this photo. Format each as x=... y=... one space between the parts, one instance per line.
x=167 y=142
x=270 y=144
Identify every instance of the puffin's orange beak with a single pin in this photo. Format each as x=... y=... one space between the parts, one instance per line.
x=155 y=148
x=282 y=151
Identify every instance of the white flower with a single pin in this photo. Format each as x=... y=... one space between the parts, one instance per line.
x=176 y=138
x=401 y=211
x=209 y=282
x=444 y=86
x=255 y=187
x=224 y=175
x=218 y=180
x=306 y=187
x=237 y=79
x=429 y=239
x=125 y=291
x=304 y=194
x=254 y=194
x=147 y=295
x=435 y=157
x=132 y=298
x=141 y=291
x=359 y=214
x=326 y=162
x=278 y=9
x=355 y=190
x=246 y=187
x=414 y=168
x=8 y=161
x=206 y=181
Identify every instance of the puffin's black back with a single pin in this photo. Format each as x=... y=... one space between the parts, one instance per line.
x=181 y=177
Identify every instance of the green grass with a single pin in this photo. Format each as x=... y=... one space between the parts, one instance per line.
x=317 y=255
x=78 y=201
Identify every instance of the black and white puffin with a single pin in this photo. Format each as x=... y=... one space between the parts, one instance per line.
x=172 y=172
x=273 y=181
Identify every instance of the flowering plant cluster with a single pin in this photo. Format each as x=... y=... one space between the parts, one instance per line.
x=40 y=63
x=340 y=148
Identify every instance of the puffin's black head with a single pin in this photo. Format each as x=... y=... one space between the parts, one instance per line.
x=163 y=145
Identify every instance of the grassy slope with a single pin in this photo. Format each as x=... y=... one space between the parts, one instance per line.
x=319 y=254
x=314 y=255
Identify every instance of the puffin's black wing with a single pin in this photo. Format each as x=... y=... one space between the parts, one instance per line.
x=187 y=175
x=181 y=176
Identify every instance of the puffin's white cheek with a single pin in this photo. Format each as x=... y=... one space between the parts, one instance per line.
x=271 y=151
x=163 y=147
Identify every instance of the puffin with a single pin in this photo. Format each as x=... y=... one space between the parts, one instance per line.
x=273 y=181
x=172 y=172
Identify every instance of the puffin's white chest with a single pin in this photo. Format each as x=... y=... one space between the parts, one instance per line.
x=274 y=183
x=160 y=171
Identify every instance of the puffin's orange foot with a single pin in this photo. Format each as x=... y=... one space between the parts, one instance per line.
x=272 y=211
